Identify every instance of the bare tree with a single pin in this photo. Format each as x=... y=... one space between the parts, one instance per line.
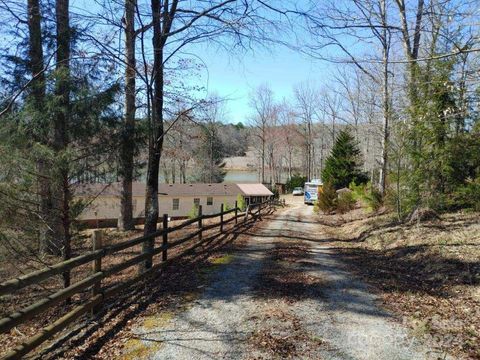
x=262 y=103
x=307 y=101
x=175 y=25
x=289 y=134
x=364 y=21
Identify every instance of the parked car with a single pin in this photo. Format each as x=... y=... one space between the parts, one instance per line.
x=298 y=191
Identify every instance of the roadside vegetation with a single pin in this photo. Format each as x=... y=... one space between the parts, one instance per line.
x=418 y=246
x=427 y=273
x=424 y=263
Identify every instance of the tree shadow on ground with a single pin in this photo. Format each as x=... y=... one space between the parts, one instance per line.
x=418 y=268
x=180 y=278
x=283 y=275
x=412 y=269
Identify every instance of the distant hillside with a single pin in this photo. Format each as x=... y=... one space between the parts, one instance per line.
x=242 y=163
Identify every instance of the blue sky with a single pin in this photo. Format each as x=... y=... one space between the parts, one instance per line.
x=235 y=76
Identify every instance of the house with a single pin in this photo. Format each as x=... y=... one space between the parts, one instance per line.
x=102 y=201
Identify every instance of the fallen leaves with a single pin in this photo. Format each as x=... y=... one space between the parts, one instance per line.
x=428 y=274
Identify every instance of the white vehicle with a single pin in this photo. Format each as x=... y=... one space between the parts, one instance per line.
x=298 y=191
x=311 y=191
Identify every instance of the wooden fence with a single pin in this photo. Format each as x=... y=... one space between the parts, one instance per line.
x=98 y=295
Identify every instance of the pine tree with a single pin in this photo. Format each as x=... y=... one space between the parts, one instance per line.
x=343 y=165
x=209 y=156
x=441 y=145
x=327 y=199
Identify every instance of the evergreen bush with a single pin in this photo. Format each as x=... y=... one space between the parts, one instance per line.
x=327 y=199
x=345 y=202
x=370 y=196
x=295 y=181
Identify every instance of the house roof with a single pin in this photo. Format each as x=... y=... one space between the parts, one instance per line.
x=138 y=189
x=254 y=190
x=109 y=189
x=198 y=189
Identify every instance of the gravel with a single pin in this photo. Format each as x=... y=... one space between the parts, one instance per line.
x=341 y=315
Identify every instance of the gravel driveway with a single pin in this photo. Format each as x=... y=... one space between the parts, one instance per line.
x=243 y=314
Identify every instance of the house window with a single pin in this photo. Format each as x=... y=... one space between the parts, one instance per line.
x=210 y=200
x=175 y=204
x=196 y=202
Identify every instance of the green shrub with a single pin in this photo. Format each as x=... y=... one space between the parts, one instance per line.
x=226 y=206
x=467 y=196
x=193 y=213
x=374 y=198
x=327 y=199
x=370 y=196
x=345 y=202
x=358 y=191
x=241 y=202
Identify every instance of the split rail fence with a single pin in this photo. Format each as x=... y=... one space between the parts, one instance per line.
x=94 y=282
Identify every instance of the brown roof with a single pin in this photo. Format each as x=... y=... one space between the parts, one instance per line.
x=254 y=190
x=198 y=189
x=111 y=189
x=138 y=189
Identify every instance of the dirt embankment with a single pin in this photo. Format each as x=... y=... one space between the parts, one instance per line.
x=428 y=273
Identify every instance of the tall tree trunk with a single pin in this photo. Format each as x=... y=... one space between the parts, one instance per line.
x=310 y=149
x=272 y=170
x=125 y=221
x=36 y=52
x=62 y=92
x=174 y=172
x=162 y=22
x=321 y=157
x=183 y=174
x=37 y=97
x=386 y=100
x=412 y=52
x=313 y=172
x=289 y=164
x=263 y=157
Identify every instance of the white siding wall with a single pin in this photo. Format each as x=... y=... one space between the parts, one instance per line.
x=103 y=207
x=108 y=207
x=186 y=204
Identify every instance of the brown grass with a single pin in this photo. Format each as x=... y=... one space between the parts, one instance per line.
x=429 y=273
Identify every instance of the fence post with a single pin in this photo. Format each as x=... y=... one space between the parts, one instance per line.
x=165 y=237
x=221 y=218
x=236 y=212
x=246 y=214
x=97 y=244
x=200 y=226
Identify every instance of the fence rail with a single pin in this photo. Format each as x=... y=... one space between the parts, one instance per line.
x=99 y=295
